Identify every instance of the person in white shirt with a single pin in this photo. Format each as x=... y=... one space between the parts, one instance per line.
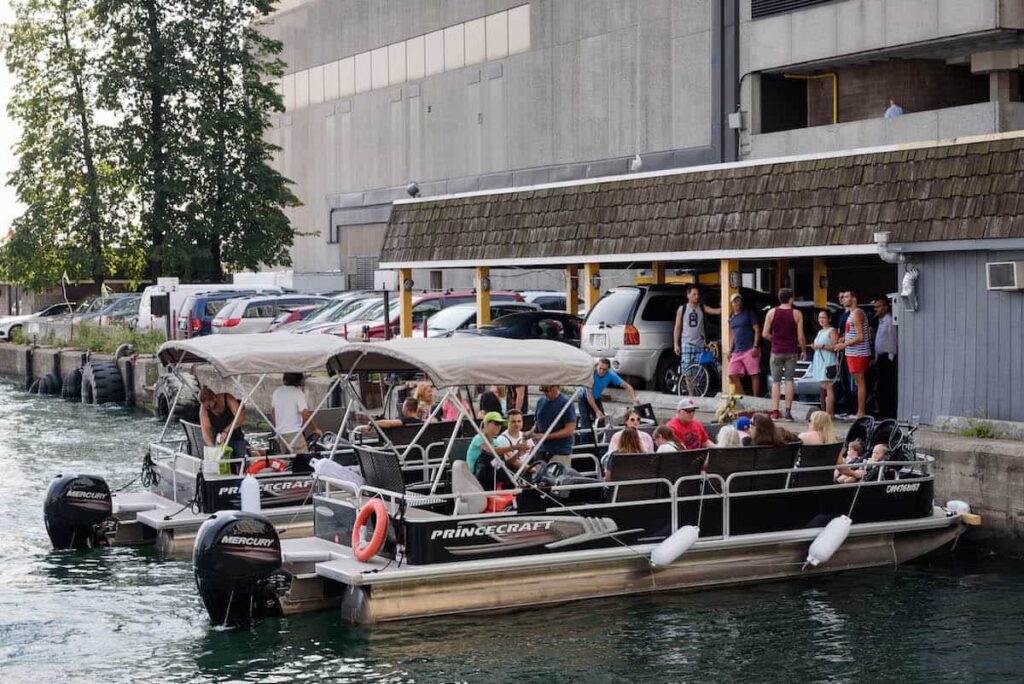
x=290 y=413
x=886 y=347
x=513 y=436
x=632 y=420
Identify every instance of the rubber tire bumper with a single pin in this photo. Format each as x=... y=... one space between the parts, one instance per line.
x=102 y=383
x=71 y=389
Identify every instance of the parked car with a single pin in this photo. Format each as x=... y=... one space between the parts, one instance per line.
x=531 y=325
x=461 y=316
x=9 y=324
x=199 y=309
x=122 y=312
x=549 y=300
x=332 y=320
x=294 y=314
x=423 y=307
x=632 y=326
x=254 y=314
x=91 y=310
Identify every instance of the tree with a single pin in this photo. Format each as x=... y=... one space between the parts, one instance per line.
x=198 y=81
x=241 y=199
x=79 y=210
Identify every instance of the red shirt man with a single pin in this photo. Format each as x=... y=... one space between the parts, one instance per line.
x=690 y=433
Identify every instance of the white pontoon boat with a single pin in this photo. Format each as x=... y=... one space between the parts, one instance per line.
x=81 y=511
x=421 y=538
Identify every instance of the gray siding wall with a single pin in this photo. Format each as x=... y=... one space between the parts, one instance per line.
x=962 y=352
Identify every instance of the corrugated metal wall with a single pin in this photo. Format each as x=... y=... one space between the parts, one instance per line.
x=962 y=352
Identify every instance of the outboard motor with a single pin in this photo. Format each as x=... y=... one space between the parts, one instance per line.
x=75 y=511
x=237 y=558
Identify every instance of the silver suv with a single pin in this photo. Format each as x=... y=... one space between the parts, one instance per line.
x=632 y=326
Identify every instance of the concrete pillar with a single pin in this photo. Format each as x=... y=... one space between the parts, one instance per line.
x=572 y=290
x=591 y=285
x=405 y=301
x=820 y=283
x=658 y=272
x=729 y=284
x=1004 y=86
x=483 y=295
x=781 y=272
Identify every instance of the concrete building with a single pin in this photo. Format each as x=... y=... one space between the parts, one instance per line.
x=464 y=95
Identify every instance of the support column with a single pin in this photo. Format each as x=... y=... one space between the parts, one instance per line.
x=405 y=301
x=820 y=283
x=781 y=271
x=572 y=290
x=591 y=275
x=483 y=295
x=658 y=272
x=729 y=284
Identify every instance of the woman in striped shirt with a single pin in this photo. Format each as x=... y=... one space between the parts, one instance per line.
x=858 y=350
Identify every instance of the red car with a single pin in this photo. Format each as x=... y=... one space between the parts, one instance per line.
x=423 y=307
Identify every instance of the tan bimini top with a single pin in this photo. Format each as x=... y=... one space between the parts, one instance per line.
x=255 y=354
x=453 y=361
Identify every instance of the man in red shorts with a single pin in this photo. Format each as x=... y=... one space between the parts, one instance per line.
x=744 y=354
x=858 y=350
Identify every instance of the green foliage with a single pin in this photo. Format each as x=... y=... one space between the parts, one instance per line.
x=143 y=147
x=977 y=429
x=78 y=216
x=104 y=339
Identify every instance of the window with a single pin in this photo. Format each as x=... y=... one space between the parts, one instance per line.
x=614 y=308
x=260 y=310
x=214 y=307
x=425 y=310
x=662 y=307
x=766 y=8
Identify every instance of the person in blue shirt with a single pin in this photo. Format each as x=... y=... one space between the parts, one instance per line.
x=591 y=407
x=558 y=445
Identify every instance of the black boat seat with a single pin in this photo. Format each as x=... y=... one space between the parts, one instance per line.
x=382 y=470
x=194 y=437
x=813 y=455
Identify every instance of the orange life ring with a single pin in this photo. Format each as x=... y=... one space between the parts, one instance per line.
x=277 y=465
x=380 y=530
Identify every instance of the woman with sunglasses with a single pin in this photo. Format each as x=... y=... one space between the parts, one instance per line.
x=632 y=420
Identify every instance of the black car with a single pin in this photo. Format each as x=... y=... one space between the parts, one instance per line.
x=531 y=325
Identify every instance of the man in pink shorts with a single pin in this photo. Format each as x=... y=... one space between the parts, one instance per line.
x=744 y=353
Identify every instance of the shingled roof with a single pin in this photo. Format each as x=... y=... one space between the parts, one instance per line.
x=970 y=190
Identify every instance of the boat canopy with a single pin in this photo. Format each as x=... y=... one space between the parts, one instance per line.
x=454 y=361
x=255 y=354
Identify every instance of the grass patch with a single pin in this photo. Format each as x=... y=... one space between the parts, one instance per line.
x=103 y=340
x=977 y=430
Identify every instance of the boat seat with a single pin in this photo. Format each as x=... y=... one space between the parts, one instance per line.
x=726 y=461
x=194 y=438
x=465 y=484
x=813 y=455
x=773 y=458
x=673 y=465
x=626 y=467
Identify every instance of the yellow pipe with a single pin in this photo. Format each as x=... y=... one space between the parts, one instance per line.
x=835 y=89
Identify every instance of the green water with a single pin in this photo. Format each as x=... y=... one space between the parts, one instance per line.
x=121 y=615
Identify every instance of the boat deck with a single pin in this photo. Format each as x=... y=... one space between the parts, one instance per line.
x=160 y=513
x=335 y=561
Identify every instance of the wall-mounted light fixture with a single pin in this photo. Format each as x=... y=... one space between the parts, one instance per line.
x=407 y=284
x=908 y=289
x=595 y=282
x=734 y=280
x=485 y=284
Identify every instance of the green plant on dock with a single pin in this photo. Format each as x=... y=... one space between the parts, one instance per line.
x=99 y=339
x=977 y=427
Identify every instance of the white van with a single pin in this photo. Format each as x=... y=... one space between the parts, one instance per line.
x=178 y=292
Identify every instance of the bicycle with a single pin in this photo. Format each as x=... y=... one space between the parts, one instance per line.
x=695 y=379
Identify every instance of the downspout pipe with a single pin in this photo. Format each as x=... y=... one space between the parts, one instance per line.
x=835 y=88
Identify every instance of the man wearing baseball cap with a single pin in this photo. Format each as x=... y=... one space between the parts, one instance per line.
x=744 y=352
x=482 y=452
x=743 y=427
x=690 y=433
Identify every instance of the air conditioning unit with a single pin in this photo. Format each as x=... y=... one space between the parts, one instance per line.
x=1005 y=275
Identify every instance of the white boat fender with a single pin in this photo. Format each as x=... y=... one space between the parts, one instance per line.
x=325 y=467
x=958 y=507
x=250 y=491
x=675 y=545
x=828 y=541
